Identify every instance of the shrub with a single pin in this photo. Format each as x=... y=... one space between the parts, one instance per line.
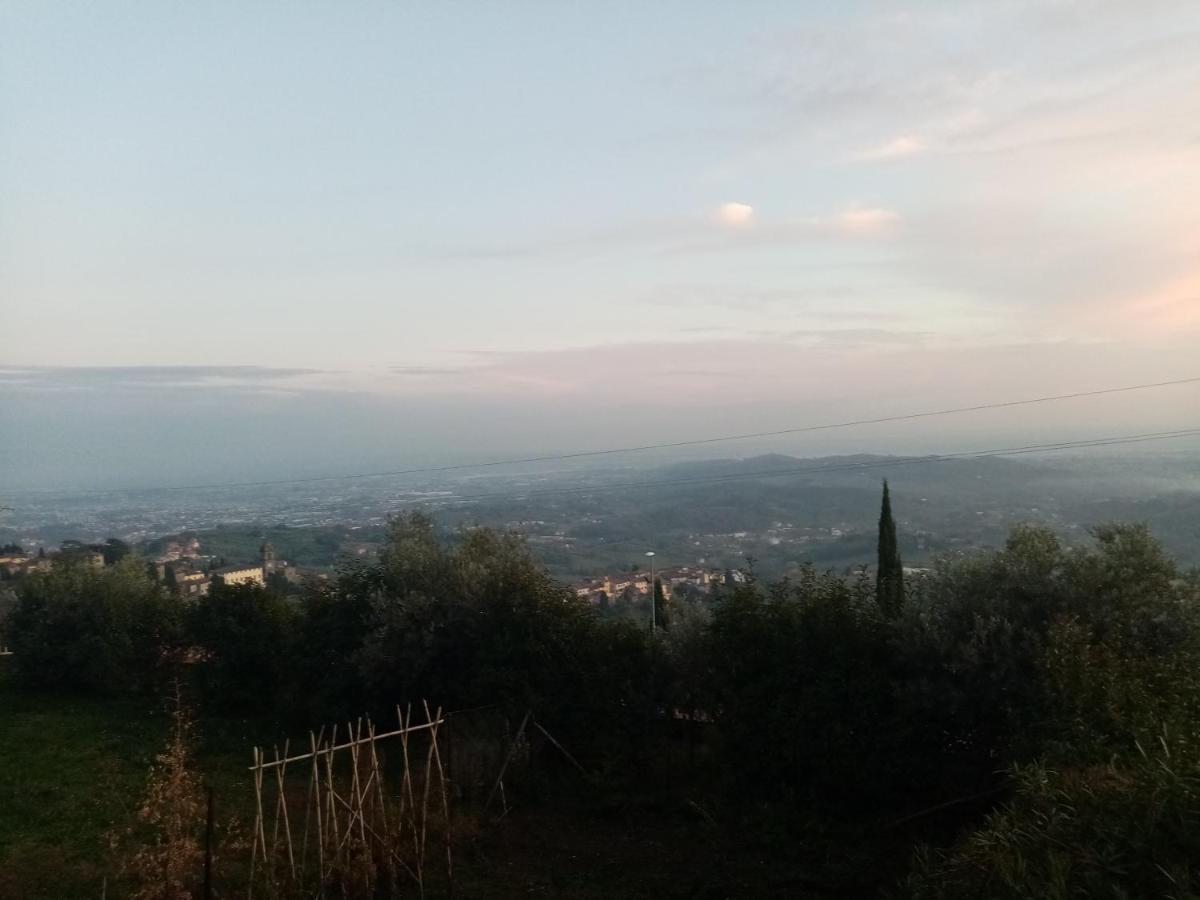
x=245 y=637
x=110 y=630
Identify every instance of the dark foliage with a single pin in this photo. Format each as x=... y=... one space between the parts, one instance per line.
x=889 y=571
x=1074 y=671
x=244 y=641
x=104 y=631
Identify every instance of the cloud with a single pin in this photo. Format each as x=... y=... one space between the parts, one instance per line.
x=730 y=227
x=861 y=221
x=425 y=371
x=110 y=378
x=735 y=215
x=1172 y=307
x=826 y=299
x=905 y=145
x=814 y=363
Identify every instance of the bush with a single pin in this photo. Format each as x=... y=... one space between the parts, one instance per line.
x=480 y=623
x=107 y=631
x=1107 y=831
x=245 y=640
x=1109 y=670
x=800 y=692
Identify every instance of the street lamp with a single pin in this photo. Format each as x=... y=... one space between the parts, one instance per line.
x=653 y=592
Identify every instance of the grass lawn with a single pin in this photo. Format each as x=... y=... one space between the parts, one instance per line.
x=72 y=770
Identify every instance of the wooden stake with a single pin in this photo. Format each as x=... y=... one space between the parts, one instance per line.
x=287 y=824
x=377 y=776
x=437 y=756
x=407 y=799
x=428 y=778
x=512 y=751
x=332 y=811
x=312 y=808
x=561 y=749
x=356 y=784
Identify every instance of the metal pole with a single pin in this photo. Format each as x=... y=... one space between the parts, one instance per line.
x=653 y=593
x=208 y=842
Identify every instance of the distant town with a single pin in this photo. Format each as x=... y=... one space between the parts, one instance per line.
x=183 y=568
x=589 y=529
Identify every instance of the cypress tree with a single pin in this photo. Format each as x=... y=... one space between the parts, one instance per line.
x=889 y=574
x=662 y=615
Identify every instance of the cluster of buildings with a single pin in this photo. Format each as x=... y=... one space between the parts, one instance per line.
x=15 y=562
x=189 y=574
x=636 y=585
x=181 y=566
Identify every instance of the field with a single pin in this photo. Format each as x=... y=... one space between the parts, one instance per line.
x=70 y=772
x=74 y=769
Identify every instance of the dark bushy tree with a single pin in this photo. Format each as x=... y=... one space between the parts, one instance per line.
x=479 y=622
x=100 y=631
x=244 y=637
x=113 y=550
x=800 y=690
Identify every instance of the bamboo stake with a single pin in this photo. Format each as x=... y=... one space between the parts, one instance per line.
x=437 y=755
x=377 y=776
x=254 y=844
x=512 y=751
x=287 y=824
x=425 y=797
x=403 y=743
x=394 y=854
x=357 y=784
x=262 y=834
x=275 y=830
x=332 y=812
x=367 y=798
x=407 y=798
x=355 y=800
x=259 y=833
x=312 y=806
x=304 y=756
x=560 y=747
x=412 y=803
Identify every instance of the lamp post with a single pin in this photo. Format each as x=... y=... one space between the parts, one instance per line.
x=653 y=592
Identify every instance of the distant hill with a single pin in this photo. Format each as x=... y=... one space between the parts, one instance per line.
x=781 y=510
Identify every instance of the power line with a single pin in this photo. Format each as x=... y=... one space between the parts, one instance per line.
x=612 y=451
x=836 y=467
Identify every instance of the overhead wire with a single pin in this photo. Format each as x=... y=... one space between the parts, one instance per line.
x=605 y=487
x=611 y=451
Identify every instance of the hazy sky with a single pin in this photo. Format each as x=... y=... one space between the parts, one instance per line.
x=645 y=219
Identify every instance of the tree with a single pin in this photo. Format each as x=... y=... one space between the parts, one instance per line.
x=101 y=631
x=477 y=621
x=662 y=608
x=889 y=574
x=113 y=550
x=170 y=582
x=162 y=854
x=246 y=638
x=799 y=693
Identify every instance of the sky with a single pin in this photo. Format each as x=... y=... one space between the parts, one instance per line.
x=251 y=237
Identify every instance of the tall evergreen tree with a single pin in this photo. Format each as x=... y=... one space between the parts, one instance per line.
x=662 y=615
x=889 y=573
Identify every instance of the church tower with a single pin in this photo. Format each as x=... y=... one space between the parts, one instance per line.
x=268 y=558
